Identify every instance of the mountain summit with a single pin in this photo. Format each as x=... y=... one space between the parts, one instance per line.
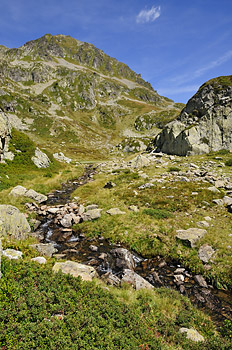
x=68 y=95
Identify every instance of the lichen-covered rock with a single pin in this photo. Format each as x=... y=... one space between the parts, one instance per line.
x=91 y=214
x=61 y=157
x=40 y=159
x=38 y=197
x=115 y=211
x=135 y=280
x=192 y=334
x=13 y=223
x=204 y=125
x=46 y=249
x=190 y=236
x=12 y=254
x=5 y=134
x=22 y=191
x=39 y=259
x=87 y=273
x=205 y=253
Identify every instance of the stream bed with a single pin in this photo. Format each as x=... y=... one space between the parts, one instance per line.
x=98 y=252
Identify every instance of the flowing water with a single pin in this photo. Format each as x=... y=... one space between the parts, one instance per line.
x=158 y=271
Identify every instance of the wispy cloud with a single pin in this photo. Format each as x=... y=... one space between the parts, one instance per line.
x=184 y=78
x=177 y=90
x=149 y=15
x=218 y=62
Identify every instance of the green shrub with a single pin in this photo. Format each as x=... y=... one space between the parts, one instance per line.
x=157 y=213
x=174 y=169
x=229 y=162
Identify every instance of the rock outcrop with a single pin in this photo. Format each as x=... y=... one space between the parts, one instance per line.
x=4 y=134
x=204 y=125
x=13 y=223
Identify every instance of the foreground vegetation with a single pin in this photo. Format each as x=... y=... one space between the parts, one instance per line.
x=40 y=310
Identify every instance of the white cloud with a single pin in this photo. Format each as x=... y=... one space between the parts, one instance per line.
x=151 y=15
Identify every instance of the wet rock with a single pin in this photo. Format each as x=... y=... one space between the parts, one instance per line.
x=40 y=159
x=103 y=256
x=39 y=259
x=92 y=214
x=87 y=273
x=201 y=281
x=156 y=278
x=124 y=258
x=205 y=253
x=93 y=248
x=162 y=264
x=192 y=334
x=115 y=211
x=111 y=279
x=13 y=223
x=179 y=279
x=67 y=220
x=190 y=236
x=179 y=270
x=12 y=254
x=135 y=280
x=109 y=184
x=46 y=249
x=182 y=289
x=53 y=210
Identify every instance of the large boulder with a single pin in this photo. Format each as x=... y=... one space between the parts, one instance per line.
x=22 y=191
x=87 y=273
x=204 y=125
x=40 y=159
x=5 y=134
x=13 y=223
x=135 y=280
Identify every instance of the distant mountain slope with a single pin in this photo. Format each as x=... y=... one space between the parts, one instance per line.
x=69 y=95
x=204 y=125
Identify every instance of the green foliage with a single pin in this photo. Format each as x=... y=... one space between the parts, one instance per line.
x=157 y=213
x=42 y=310
x=174 y=169
x=32 y=298
x=228 y=162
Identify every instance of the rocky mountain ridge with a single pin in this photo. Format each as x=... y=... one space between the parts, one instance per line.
x=70 y=96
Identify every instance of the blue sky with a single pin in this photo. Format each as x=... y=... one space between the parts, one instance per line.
x=176 y=45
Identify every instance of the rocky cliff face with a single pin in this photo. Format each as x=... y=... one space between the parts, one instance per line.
x=204 y=125
x=4 y=134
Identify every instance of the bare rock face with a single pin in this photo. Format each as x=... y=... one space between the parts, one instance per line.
x=13 y=223
x=5 y=134
x=40 y=159
x=204 y=125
